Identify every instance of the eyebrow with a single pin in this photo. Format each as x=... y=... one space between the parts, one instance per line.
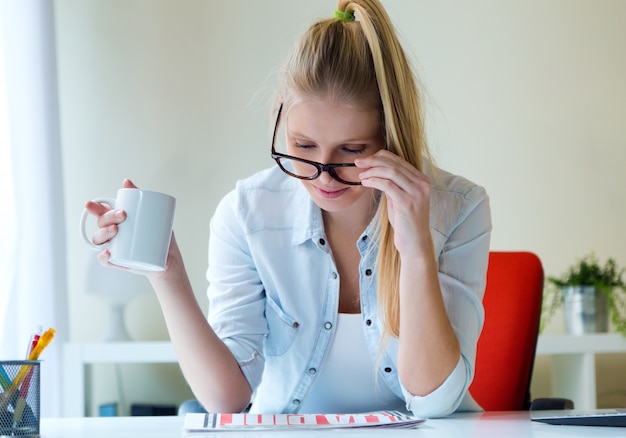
x=355 y=140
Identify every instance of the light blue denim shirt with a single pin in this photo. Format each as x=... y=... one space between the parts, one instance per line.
x=274 y=287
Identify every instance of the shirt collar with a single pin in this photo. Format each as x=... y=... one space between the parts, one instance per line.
x=308 y=222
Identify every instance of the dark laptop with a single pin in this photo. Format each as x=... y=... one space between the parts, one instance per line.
x=598 y=417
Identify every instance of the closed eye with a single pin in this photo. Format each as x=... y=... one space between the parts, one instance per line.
x=355 y=151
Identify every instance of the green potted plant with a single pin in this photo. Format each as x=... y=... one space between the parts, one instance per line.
x=589 y=293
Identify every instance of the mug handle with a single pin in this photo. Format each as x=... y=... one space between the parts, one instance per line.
x=83 y=222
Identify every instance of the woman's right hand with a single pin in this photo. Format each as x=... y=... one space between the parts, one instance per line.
x=107 y=218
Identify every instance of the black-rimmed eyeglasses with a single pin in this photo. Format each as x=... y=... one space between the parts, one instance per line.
x=308 y=170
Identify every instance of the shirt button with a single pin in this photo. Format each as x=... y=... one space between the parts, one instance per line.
x=312 y=371
x=368 y=272
x=364 y=238
x=334 y=275
x=328 y=325
x=295 y=401
x=368 y=322
x=387 y=369
x=322 y=242
x=296 y=324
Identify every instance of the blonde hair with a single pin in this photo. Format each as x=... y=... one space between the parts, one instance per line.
x=362 y=63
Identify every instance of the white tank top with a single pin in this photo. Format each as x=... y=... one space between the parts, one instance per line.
x=347 y=382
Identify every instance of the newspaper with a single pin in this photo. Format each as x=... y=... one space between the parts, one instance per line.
x=219 y=422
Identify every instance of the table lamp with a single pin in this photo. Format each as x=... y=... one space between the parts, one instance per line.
x=117 y=287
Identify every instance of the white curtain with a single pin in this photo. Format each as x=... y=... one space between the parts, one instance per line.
x=36 y=291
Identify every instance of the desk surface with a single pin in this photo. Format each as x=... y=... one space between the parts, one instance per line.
x=485 y=425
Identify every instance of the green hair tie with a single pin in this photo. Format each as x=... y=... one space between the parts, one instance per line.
x=344 y=16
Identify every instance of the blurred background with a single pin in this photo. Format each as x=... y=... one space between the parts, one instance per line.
x=526 y=98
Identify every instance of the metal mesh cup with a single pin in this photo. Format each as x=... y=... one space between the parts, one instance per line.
x=19 y=398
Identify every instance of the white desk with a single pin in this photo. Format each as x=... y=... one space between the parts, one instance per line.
x=574 y=365
x=77 y=355
x=486 y=425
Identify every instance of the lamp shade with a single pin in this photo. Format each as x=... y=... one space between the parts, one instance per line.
x=117 y=287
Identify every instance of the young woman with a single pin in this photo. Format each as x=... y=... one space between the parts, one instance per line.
x=349 y=277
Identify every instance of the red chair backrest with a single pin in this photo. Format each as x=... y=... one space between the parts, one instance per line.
x=506 y=347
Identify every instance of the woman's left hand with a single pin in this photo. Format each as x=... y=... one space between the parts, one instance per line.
x=408 y=197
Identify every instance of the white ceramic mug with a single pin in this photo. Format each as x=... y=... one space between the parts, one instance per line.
x=143 y=239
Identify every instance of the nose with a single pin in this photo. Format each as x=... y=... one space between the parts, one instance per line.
x=327 y=157
x=326 y=178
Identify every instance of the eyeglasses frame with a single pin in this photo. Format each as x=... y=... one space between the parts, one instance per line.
x=330 y=167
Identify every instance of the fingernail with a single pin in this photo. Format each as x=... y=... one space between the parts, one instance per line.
x=119 y=214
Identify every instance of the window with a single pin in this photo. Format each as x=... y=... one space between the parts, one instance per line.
x=7 y=217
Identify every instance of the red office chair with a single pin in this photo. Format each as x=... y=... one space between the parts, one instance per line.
x=506 y=347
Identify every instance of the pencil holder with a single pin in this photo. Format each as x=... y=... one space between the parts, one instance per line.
x=19 y=398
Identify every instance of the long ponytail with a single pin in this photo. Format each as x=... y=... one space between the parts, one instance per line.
x=404 y=133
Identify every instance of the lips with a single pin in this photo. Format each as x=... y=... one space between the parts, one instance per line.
x=330 y=194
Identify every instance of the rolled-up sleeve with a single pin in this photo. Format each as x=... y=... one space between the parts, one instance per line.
x=442 y=401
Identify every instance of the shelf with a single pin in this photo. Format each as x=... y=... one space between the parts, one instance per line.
x=579 y=344
x=574 y=363
x=127 y=352
x=76 y=357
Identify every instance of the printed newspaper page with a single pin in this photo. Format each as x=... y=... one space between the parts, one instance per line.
x=220 y=422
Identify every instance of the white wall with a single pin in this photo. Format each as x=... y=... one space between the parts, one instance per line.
x=526 y=98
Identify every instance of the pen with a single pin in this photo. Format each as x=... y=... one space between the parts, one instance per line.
x=33 y=340
x=5 y=380
x=21 y=404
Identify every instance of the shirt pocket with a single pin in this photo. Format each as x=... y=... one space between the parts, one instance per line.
x=281 y=329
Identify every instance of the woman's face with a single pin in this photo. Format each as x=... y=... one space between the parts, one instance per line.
x=328 y=132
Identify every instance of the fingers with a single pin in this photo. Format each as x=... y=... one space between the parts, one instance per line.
x=105 y=214
x=96 y=208
x=103 y=259
x=128 y=184
x=385 y=164
x=104 y=234
x=108 y=218
x=388 y=172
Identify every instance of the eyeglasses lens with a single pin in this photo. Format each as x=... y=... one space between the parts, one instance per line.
x=304 y=170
